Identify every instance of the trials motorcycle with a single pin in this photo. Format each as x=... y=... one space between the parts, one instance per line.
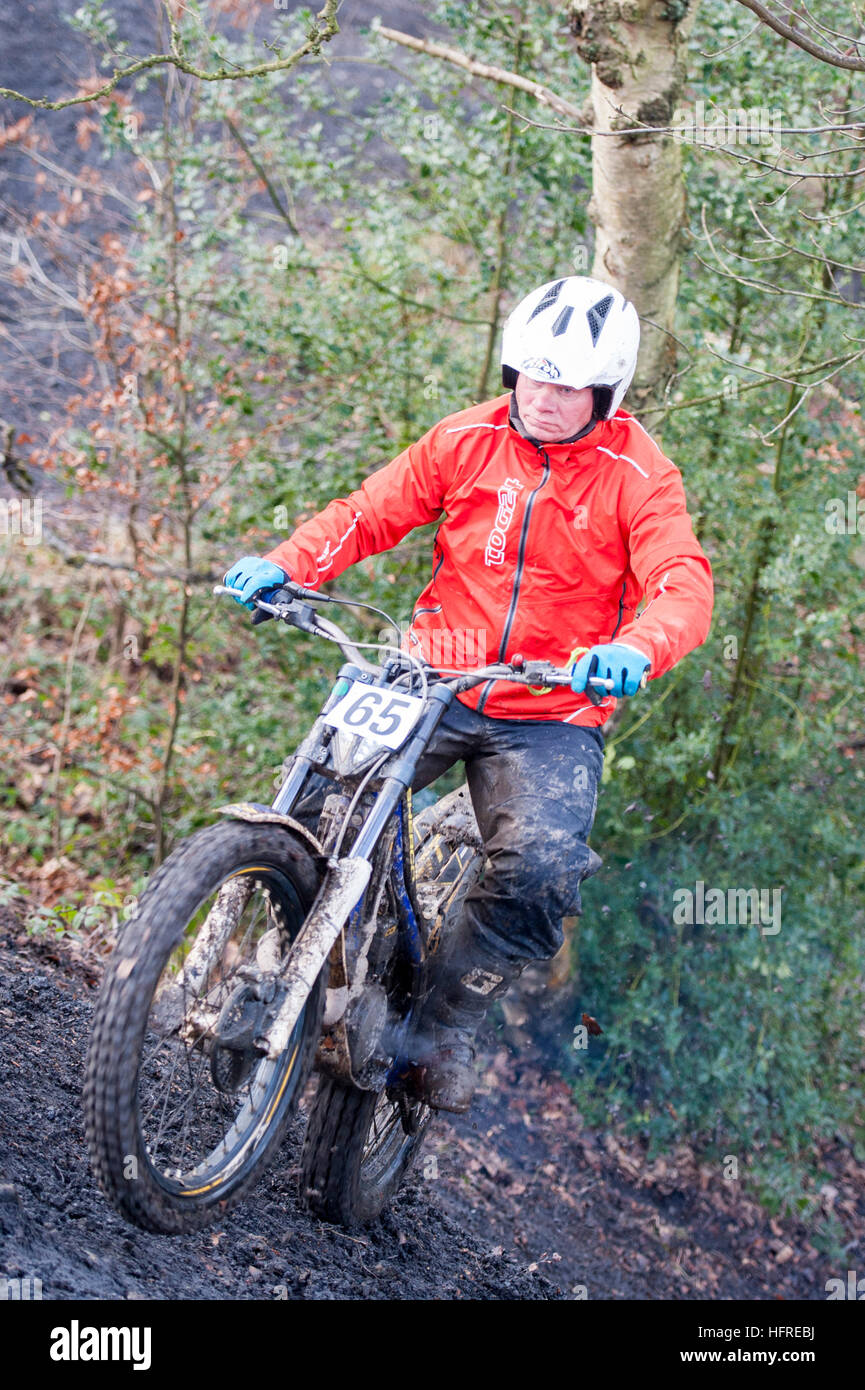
x=261 y=950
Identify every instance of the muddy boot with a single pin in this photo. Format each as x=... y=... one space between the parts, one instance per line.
x=470 y=979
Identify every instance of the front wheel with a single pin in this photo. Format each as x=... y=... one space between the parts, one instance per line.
x=358 y=1147
x=182 y=1105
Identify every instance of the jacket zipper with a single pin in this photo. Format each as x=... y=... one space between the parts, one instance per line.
x=441 y=556
x=621 y=612
x=515 y=592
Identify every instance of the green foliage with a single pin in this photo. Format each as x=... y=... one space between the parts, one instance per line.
x=746 y=1034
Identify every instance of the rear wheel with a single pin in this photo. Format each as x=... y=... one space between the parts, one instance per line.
x=360 y=1143
x=358 y=1147
x=183 y=1107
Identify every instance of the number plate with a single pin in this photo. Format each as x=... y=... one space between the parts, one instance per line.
x=371 y=712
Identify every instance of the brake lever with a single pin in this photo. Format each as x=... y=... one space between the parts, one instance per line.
x=300 y=615
x=262 y=614
x=541 y=673
x=286 y=596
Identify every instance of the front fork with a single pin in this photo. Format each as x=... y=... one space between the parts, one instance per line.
x=399 y=1079
x=401 y=772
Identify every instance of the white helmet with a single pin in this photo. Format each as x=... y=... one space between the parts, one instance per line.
x=575 y=332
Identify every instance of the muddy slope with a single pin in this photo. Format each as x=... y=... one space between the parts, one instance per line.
x=56 y=1226
x=516 y=1201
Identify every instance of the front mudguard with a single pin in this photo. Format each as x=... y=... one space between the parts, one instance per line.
x=258 y=814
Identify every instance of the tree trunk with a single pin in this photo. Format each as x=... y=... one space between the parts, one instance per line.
x=636 y=49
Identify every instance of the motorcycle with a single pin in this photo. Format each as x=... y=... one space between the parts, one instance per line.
x=262 y=950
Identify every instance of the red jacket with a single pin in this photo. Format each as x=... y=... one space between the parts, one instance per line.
x=543 y=550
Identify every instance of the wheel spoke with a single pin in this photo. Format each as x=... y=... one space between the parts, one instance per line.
x=190 y=1124
x=385 y=1120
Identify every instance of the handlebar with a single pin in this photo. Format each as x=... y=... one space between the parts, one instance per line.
x=301 y=615
x=291 y=603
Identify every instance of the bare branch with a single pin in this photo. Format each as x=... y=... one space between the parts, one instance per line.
x=487 y=70
x=828 y=218
x=688 y=132
x=826 y=55
x=406 y=299
x=74 y=760
x=100 y=189
x=802 y=12
x=89 y=557
x=792 y=378
x=262 y=174
x=716 y=53
x=753 y=283
x=324 y=28
x=797 y=250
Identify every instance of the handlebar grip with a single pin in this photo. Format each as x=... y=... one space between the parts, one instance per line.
x=284 y=593
x=596 y=689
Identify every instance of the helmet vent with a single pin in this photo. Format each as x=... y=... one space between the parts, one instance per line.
x=597 y=316
x=561 y=324
x=548 y=300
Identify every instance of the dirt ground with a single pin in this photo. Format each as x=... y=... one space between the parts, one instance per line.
x=517 y=1201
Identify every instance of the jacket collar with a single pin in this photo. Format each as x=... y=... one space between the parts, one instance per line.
x=560 y=449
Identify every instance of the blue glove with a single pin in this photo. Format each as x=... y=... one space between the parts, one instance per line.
x=614 y=661
x=251 y=575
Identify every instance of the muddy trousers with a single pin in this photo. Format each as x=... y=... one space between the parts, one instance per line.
x=534 y=789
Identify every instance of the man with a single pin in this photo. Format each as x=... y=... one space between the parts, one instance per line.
x=560 y=515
